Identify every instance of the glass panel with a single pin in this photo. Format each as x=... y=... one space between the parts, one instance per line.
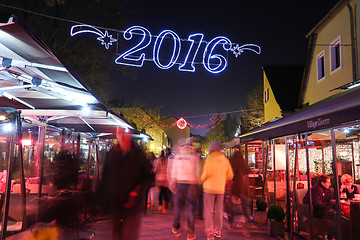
x=52 y=147
x=254 y=156
x=347 y=154
x=301 y=217
x=269 y=190
x=5 y=138
x=324 y=221
x=279 y=186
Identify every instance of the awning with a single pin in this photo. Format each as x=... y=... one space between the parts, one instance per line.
x=336 y=110
x=34 y=80
x=231 y=143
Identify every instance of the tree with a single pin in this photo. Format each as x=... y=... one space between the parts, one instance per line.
x=231 y=125
x=215 y=132
x=253 y=113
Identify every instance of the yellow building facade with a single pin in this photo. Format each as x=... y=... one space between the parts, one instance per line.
x=330 y=65
x=281 y=90
x=272 y=109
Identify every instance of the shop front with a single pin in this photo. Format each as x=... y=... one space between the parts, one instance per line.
x=298 y=151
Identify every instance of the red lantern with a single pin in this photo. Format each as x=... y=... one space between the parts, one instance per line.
x=181 y=123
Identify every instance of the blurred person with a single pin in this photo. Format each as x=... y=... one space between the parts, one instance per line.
x=126 y=177
x=347 y=186
x=61 y=205
x=169 y=156
x=238 y=190
x=217 y=171
x=150 y=196
x=185 y=182
x=161 y=167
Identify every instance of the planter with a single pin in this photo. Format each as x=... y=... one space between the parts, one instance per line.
x=275 y=228
x=260 y=217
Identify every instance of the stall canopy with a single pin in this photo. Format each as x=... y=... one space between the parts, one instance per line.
x=34 y=80
x=338 y=109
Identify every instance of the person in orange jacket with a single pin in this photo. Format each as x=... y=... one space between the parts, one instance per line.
x=216 y=173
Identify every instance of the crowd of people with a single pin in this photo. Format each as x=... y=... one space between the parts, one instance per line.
x=180 y=178
x=208 y=188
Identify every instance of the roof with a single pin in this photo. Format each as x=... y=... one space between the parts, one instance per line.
x=34 y=80
x=231 y=143
x=280 y=78
x=339 y=109
x=312 y=35
x=325 y=18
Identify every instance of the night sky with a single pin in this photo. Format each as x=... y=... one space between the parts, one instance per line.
x=278 y=27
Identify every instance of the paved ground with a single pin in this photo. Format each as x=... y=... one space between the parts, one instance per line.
x=157 y=226
x=154 y=226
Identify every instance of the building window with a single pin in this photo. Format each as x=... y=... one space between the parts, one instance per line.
x=335 y=55
x=266 y=95
x=321 y=66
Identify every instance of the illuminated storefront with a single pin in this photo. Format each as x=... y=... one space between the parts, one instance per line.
x=321 y=139
x=45 y=109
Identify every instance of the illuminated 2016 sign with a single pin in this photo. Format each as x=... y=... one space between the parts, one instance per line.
x=184 y=52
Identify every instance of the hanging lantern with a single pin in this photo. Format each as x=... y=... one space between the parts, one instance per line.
x=181 y=123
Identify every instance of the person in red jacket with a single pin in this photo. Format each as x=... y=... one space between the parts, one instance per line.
x=238 y=190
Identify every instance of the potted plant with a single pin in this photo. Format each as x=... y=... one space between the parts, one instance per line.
x=260 y=212
x=276 y=217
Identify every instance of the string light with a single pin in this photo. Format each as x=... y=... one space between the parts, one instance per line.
x=236 y=48
x=215 y=120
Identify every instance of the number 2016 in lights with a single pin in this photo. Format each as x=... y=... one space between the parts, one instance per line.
x=135 y=56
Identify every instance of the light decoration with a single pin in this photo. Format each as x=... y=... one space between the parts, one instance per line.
x=237 y=49
x=181 y=123
x=176 y=49
x=128 y=58
x=208 y=55
x=344 y=151
x=104 y=38
x=8 y=127
x=195 y=39
x=26 y=142
x=213 y=58
x=214 y=121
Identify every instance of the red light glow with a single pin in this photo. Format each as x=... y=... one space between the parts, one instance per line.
x=181 y=123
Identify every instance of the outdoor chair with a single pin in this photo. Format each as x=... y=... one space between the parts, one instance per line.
x=320 y=225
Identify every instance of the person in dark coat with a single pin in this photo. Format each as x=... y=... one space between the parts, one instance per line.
x=320 y=195
x=127 y=175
